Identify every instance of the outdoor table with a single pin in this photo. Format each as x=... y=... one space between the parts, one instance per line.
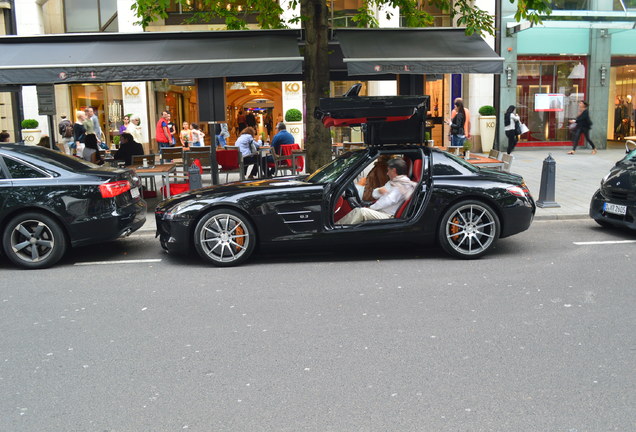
x=485 y=161
x=298 y=154
x=163 y=170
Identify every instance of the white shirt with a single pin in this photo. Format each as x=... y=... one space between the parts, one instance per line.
x=513 y=117
x=389 y=202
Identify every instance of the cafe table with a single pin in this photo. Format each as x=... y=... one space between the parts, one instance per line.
x=163 y=170
x=485 y=161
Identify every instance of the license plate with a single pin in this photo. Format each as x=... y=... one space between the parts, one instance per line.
x=134 y=192
x=616 y=209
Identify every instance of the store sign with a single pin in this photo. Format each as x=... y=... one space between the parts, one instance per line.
x=135 y=102
x=293 y=98
x=46 y=99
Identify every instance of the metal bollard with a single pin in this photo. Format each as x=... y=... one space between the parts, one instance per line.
x=548 y=179
x=195 y=177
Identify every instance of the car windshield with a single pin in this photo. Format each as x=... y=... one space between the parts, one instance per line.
x=630 y=157
x=330 y=172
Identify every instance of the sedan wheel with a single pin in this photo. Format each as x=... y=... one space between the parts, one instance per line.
x=468 y=229
x=34 y=240
x=224 y=238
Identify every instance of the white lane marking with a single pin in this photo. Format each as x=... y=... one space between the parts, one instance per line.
x=604 y=242
x=137 y=261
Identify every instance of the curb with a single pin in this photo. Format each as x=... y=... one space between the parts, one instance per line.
x=561 y=217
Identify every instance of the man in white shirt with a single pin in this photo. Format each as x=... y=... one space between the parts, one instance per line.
x=90 y=114
x=389 y=197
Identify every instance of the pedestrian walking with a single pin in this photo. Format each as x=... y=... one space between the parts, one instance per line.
x=582 y=125
x=162 y=132
x=512 y=127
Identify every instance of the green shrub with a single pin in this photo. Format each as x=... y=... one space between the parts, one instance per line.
x=29 y=124
x=487 y=110
x=293 y=115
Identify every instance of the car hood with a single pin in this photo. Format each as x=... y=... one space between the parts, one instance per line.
x=621 y=177
x=236 y=188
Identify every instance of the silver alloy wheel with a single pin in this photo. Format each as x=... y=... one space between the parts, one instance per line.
x=32 y=241
x=224 y=238
x=471 y=229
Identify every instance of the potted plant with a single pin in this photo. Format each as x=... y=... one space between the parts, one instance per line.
x=294 y=121
x=467 y=146
x=30 y=133
x=488 y=127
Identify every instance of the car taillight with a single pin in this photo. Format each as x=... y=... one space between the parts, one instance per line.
x=112 y=189
x=520 y=191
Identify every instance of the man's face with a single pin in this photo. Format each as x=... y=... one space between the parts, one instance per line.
x=391 y=172
x=166 y=116
x=89 y=112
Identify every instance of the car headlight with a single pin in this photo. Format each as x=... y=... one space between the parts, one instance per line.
x=174 y=211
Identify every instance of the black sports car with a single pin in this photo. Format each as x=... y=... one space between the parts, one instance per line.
x=614 y=204
x=464 y=208
x=49 y=201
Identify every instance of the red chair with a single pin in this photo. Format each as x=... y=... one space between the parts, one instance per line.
x=181 y=187
x=230 y=160
x=287 y=150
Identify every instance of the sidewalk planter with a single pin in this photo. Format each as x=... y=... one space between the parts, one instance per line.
x=30 y=133
x=294 y=123
x=487 y=127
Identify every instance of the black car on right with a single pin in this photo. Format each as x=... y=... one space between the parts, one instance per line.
x=614 y=204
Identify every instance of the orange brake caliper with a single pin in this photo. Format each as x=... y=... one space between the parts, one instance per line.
x=454 y=229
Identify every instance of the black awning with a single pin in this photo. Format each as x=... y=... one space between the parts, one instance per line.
x=111 y=57
x=416 y=51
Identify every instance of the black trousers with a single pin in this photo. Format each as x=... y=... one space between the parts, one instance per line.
x=577 y=136
x=253 y=161
x=513 y=139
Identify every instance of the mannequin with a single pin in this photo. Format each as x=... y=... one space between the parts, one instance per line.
x=630 y=113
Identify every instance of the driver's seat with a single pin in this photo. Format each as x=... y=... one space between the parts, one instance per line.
x=416 y=177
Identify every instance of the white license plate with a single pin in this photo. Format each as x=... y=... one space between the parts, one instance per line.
x=134 y=192
x=616 y=209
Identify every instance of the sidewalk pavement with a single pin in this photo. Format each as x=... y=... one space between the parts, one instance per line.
x=578 y=176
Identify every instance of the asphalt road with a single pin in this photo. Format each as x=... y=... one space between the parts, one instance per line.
x=536 y=336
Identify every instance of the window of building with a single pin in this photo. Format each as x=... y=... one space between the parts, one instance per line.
x=570 y=5
x=179 y=14
x=89 y=16
x=107 y=103
x=548 y=92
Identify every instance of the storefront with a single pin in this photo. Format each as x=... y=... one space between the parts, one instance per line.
x=549 y=89
x=622 y=94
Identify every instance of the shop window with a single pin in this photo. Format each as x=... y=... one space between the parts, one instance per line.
x=570 y=5
x=90 y=16
x=548 y=93
x=179 y=14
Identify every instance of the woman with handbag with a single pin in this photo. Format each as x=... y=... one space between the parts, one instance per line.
x=459 y=124
x=512 y=127
x=583 y=125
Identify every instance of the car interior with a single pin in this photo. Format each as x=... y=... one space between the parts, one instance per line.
x=353 y=194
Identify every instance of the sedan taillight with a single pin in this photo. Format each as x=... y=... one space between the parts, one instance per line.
x=112 y=189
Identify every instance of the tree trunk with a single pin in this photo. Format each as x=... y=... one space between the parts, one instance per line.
x=316 y=31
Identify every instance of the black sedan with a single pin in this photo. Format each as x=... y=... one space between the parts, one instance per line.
x=614 y=204
x=50 y=201
x=464 y=208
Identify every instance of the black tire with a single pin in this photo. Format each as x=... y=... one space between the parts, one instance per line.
x=469 y=229
x=34 y=240
x=224 y=238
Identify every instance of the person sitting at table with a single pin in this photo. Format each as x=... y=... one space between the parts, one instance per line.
x=389 y=197
x=128 y=148
x=248 y=148
x=281 y=137
x=91 y=150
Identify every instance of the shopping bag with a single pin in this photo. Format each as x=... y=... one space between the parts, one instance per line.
x=524 y=128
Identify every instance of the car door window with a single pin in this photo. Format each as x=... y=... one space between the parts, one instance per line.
x=19 y=170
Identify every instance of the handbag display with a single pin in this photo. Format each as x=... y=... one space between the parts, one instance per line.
x=523 y=128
